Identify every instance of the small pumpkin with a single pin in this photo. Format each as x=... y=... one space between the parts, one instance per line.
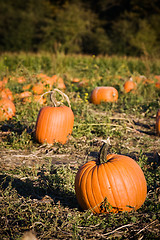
x=26 y=87
x=157 y=77
x=21 y=79
x=58 y=82
x=83 y=83
x=38 y=88
x=104 y=94
x=41 y=76
x=48 y=82
x=157 y=85
x=3 y=82
x=113 y=183
x=157 y=126
x=25 y=94
x=7 y=109
x=129 y=85
x=39 y=99
x=75 y=80
x=54 y=123
x=6 y=93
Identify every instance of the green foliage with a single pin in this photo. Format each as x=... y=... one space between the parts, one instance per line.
x=103 y=27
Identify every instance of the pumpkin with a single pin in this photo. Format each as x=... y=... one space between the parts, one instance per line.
x=6 y=93
x=38 y=88
x=75 y=80
x=157 y=77
x=48 y=82
x=7 y=109
x=83 y=83
x=39 y=99
x=54 y=123
x=157 y=127
x=157 y=85
x=139 y=79
x=58 y=82
x=21 y=79
x=112 y=183
x=3 y=82
x=25 y=94
x=27 y=87
x=41 y=76
x=104 y=94
x=129 y=85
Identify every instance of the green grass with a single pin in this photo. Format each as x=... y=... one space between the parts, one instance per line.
x=37 y=182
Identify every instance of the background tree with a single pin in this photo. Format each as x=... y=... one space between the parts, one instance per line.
x=129 y=27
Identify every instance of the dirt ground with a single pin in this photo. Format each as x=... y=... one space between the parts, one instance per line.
x=140 y=135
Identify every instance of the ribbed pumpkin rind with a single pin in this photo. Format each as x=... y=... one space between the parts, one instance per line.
x=104 y=94
x=54 y=124
x=121 y=181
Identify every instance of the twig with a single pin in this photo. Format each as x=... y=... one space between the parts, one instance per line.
x=33 y=225
x=145 y=227
x=124 y=226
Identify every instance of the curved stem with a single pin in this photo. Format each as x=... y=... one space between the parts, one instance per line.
x=53 y=97
x=103 y=152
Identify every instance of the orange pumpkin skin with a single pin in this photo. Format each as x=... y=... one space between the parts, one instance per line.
x=129 y=85
x=21 y=79
x=104 y=94
x=25 y=94
x=38 y=88
x=54 y=124
x=58 y=82
x=114 y=186
x=7 y=109
x=157 y=126
x=157 y=85
x=6 y=93
x=39 y=99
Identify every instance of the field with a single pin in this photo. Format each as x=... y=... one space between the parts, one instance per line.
x=37 y=181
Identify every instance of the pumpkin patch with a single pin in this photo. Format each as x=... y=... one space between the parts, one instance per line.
x=55 y=178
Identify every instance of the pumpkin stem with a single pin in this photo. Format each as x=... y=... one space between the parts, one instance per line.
x=103 y=152
x=53 y=97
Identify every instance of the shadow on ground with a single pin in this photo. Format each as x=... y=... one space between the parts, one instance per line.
x=39 y=189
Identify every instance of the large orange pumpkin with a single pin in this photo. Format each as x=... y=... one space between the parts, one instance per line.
x=54 y=124
x=104 y=94
x=7 y=109
x=113 y=183
x=158 y=123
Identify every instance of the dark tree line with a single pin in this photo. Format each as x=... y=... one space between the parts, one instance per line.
x=125 y=27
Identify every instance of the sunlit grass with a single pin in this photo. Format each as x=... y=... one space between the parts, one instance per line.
x=37 y=182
